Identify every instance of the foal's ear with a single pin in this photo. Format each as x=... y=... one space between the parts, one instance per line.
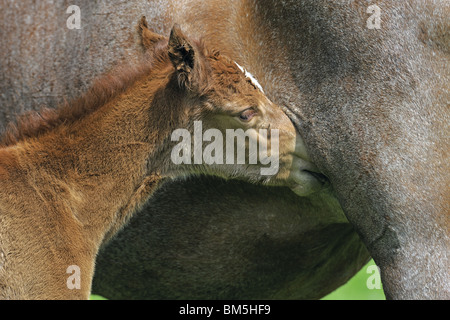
x=148 y=38
x=182 y=55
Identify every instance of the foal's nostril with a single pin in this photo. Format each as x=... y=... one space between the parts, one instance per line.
x=319 y=176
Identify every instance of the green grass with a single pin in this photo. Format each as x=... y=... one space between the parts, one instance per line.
x=355 y=289
x=96 y=297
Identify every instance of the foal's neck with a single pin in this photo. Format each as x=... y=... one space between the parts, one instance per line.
x=72 y=185
x=112 y=159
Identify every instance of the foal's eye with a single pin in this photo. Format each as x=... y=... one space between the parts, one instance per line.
x=247 y=114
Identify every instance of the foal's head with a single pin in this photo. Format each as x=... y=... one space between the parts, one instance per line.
x=225 y=121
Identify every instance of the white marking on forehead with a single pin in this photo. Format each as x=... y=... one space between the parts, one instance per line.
x=251 y=77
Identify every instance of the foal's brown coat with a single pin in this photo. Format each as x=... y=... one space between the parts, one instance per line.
x=70 y=178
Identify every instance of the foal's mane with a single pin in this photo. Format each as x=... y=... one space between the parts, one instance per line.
x=104 y=89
